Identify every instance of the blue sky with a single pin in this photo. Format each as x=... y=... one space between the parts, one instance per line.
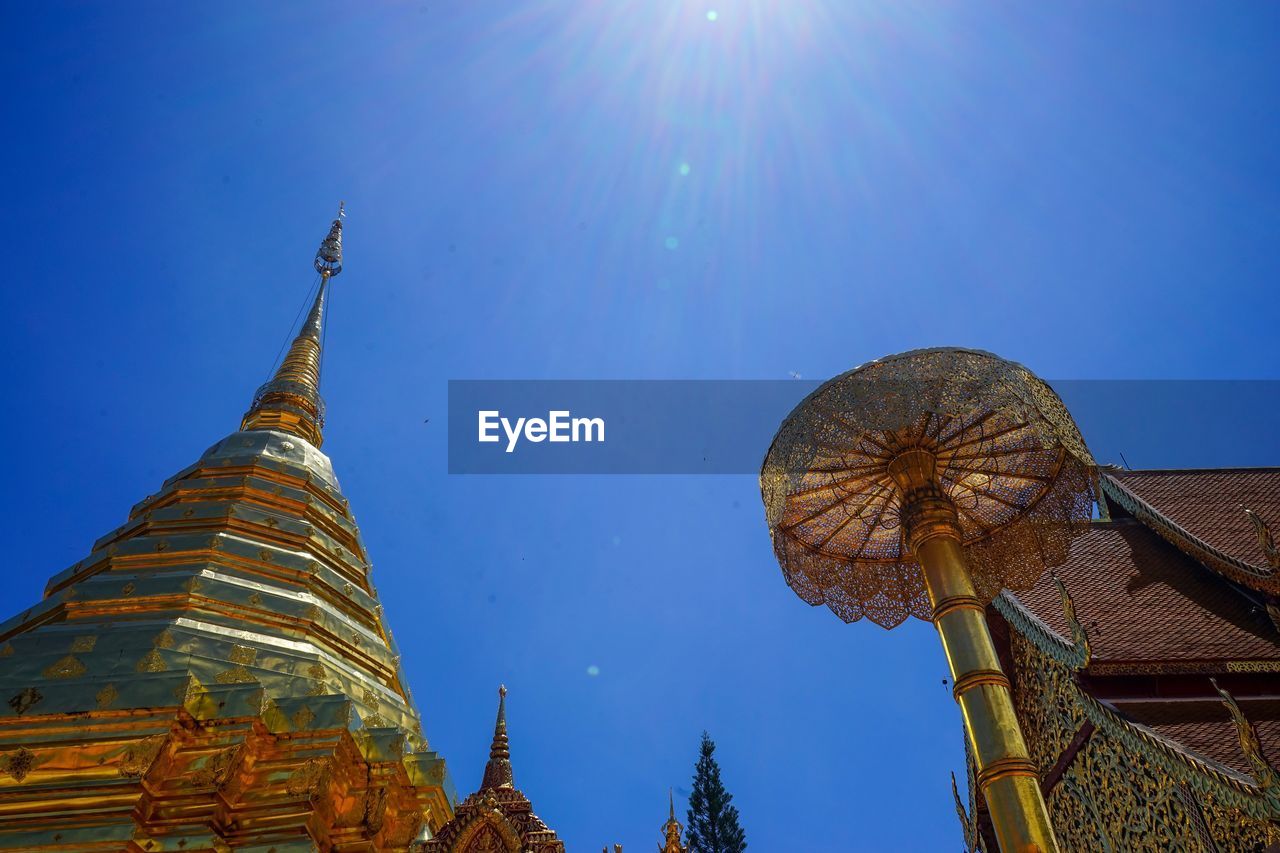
x=618 y=190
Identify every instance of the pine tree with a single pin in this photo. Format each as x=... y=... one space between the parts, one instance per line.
x=712 y=820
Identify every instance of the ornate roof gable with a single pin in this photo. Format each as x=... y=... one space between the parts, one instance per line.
x=498 y=818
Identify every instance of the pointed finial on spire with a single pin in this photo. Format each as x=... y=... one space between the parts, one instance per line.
x=291 y=401
x=672 y=830
x=329 y=256
x=497 y=773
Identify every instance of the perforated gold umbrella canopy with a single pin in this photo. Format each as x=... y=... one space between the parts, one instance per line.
x=1008 y=455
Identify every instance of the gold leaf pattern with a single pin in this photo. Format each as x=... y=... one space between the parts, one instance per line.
x=153 y=661
x=25 y=700
x=375 y=808
x=67 y=667
x=106 y=696
x=84 y=644
x=140 y=755
x=243 y=654
x=235 y=675
x=188 y=690
x=309 y=778
x=19 y=763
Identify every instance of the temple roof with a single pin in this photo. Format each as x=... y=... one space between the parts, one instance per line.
x=1221 y=517
x=1162 y=591
x=498 y=817
x=1141 y=599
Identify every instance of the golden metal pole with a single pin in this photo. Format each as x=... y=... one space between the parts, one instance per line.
x=1005 y=772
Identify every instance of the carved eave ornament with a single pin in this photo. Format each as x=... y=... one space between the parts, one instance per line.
x=1256 y=795
x=487 y=830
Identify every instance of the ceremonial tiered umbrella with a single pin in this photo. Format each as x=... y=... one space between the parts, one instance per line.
x=920 y=485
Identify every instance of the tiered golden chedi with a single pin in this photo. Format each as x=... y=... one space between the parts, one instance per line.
x=216 y=673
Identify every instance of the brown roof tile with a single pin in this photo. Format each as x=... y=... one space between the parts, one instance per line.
x=1141 y=599
x=1209 y=504
x=1148 y=605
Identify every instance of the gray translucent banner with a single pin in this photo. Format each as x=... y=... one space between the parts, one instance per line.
x=725 y=427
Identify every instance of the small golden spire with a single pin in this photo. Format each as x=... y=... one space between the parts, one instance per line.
x=291 y=401
x=497 y=773
x=672 y=829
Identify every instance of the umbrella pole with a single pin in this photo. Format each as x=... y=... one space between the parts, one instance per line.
x=1005 y=771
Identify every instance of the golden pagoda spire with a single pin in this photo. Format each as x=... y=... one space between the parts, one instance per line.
x=251 y=666
x=672 y=829
x=291 y=401
x=497 y=773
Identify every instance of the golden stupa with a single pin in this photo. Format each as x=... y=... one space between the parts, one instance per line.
x=216 y=673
